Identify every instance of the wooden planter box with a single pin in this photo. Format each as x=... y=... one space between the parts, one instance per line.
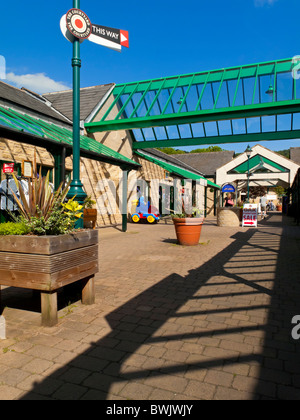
x=47 y=263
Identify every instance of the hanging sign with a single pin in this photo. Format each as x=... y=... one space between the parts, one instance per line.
x=8 y=168
x=76 y=24
x=228 y=188
x=250 y=215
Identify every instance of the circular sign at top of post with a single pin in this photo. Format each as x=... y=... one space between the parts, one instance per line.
x=78 y=24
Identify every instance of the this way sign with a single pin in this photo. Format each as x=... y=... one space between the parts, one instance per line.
x=109 y=37
x=76 y=24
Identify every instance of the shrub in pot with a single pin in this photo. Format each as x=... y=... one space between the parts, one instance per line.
x=188 y=226
x=50 y=254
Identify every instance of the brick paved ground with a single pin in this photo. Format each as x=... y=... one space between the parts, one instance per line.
x=169 y=323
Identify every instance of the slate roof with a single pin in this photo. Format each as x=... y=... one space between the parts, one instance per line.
x=295 y=154
x=89 y=100
x=172 y=159
x=206 y=163
x=28 y=101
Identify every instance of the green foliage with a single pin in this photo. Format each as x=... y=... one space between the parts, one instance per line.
x=41 y=199
x=188 y=211
x=45 y=213
x=286 y=153
x=171 y=151
x=208 y=149
x=88 y=203
x=280 y=191
x=72 y=209
x=11 y=228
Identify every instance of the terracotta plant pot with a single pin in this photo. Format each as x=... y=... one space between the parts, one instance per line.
x=188 y=230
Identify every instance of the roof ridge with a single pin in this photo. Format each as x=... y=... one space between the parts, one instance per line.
x=82 y=88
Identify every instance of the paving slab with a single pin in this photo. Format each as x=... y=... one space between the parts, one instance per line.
x=208 y=322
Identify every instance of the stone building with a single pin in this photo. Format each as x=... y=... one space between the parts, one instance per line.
x=207 y=164
x=36 y=133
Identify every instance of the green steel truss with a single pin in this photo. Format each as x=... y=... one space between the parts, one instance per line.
x=241 y=104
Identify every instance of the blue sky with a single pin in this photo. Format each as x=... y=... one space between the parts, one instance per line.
x=166 y=38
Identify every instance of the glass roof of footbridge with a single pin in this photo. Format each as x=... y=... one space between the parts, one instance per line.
x=241 y=104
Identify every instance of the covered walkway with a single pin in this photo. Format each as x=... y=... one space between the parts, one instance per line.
x=169 y=323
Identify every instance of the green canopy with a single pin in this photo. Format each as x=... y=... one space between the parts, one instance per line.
x=45 y=134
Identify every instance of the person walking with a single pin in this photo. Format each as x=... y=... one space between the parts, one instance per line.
x=263 y=203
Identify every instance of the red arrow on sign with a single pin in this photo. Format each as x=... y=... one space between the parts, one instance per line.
x=124 y=38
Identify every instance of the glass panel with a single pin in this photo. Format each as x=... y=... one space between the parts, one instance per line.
x=225 y=128
x=185 y=131
x=207 y=101
x=211 y=129
x=266 y=84
x=134 y=102
x=268 y=124
x=284 y=122
x=138 y=134
x=231 y=90
x=128 y=109
x=284 y=87
x=193 y=97
x=173 y=132
x=198 y=130
x=239 y=127
x=160 y=133
x=253 y=125
x=176 y=101
x=249 y=84
x=149 y=134
x=296 y=121
x=223 y=101
x=163 y=98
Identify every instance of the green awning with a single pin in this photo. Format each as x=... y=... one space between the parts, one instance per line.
x=52 y=133
x=175 y=169
x=258 y=163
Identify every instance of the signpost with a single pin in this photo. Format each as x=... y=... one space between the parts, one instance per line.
x=76 y=27
x=250 y=215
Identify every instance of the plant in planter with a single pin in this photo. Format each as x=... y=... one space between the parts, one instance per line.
x=89 y=213
x=50 y=254
x=188 y=225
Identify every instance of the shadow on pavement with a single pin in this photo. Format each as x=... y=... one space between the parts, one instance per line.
x=256 y=279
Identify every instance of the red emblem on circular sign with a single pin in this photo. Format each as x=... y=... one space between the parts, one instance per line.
x=78 y=24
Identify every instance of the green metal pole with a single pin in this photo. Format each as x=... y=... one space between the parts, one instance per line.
x=248 y=195
x=76 y=188
x=124 y=198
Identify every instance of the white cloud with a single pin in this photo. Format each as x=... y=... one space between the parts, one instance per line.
x=261 y=3
x=39 y=82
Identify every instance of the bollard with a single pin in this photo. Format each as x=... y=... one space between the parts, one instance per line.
x=2 y=328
